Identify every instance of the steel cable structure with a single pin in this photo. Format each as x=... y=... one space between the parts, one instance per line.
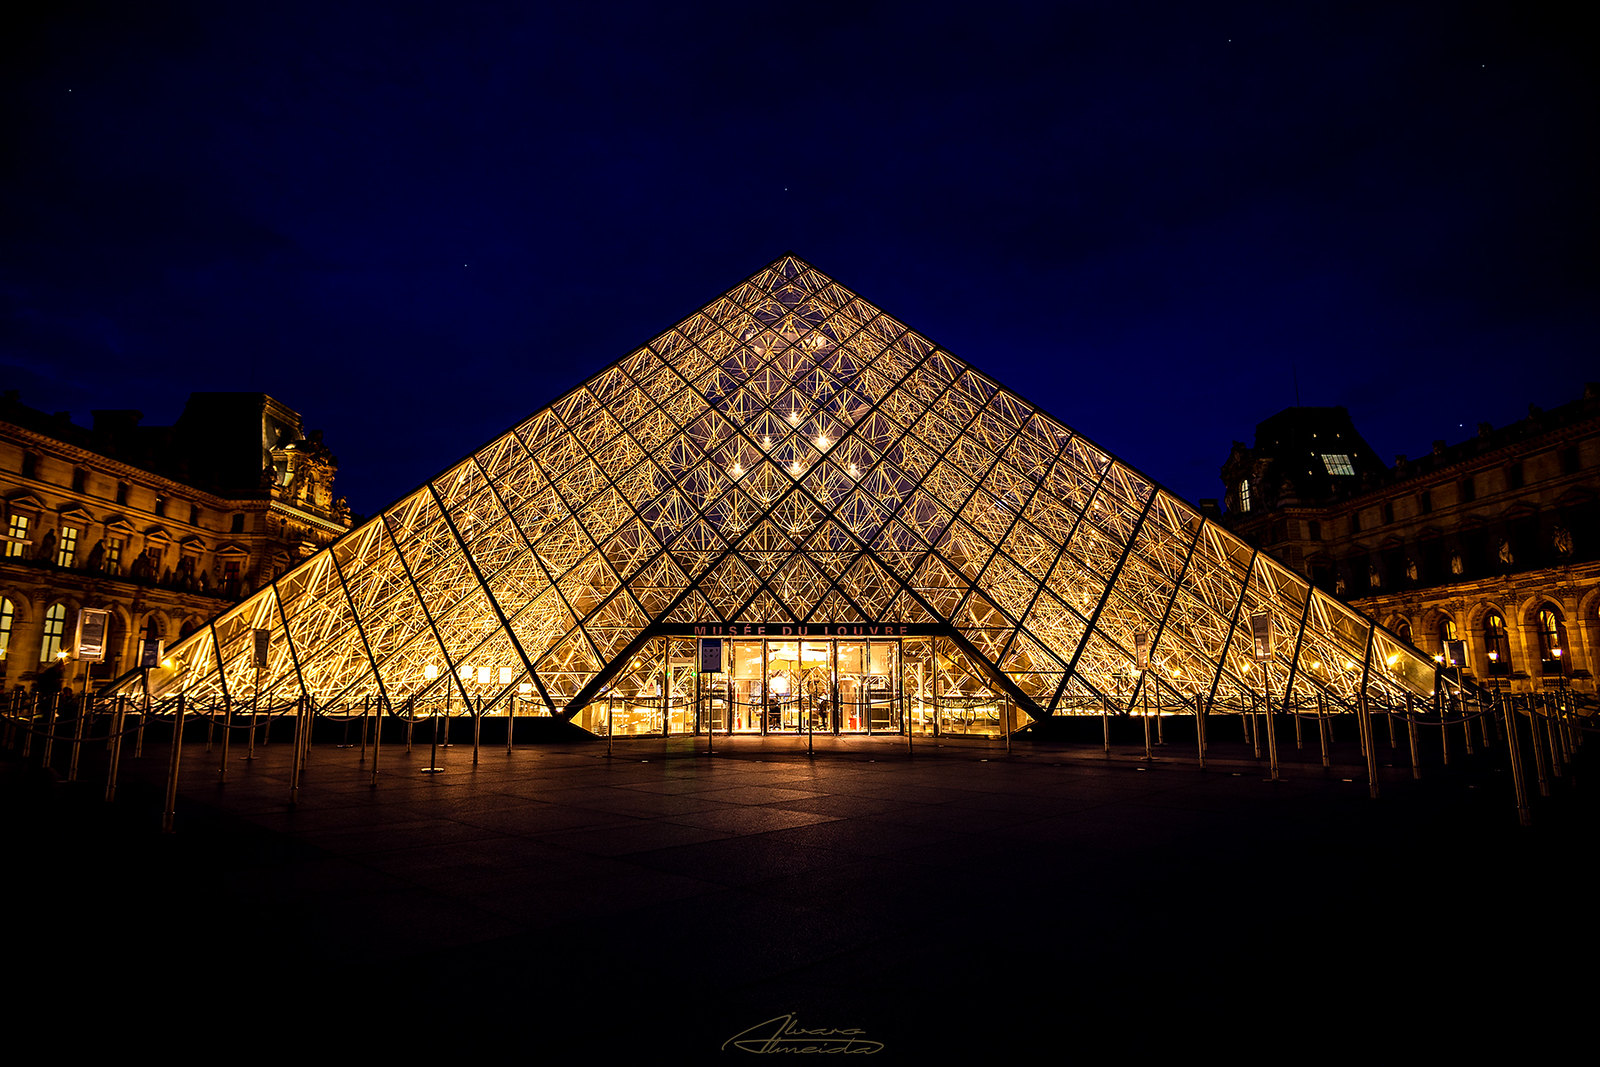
x=881 y=524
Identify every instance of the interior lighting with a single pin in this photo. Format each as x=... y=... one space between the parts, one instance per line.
x=1394 y=657
x=483 y=675
x=794 y=416
x=738 y=471
x=505 y=675
x=822 y=441
x=766 y=442
x=430 y=671
x=794 y=468
x=853 y=472
x=780 y=685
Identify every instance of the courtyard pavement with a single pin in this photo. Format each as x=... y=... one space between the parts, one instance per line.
x=660 y=905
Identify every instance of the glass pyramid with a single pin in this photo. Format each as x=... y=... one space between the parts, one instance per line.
x=789 y=462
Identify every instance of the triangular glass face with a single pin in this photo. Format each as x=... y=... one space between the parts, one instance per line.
x=788 y=463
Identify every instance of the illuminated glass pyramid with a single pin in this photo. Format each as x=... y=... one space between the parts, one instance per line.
x=788 y=457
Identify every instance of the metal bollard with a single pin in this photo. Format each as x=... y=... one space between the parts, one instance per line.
x=170 y=811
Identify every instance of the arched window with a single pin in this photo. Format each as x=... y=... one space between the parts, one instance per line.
x=1552 y=640
x=1402 y=630
x=1244 y=495
x=1497 y=643
x=8 y=615
x=55 y=627
x=1454 y=655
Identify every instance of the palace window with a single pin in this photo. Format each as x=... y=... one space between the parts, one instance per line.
x=55 y=626
x=1447 y=634
x=8 y=615
x=1244 y=495
x=1497 y=644
x=114 y=556
x=18 y=531
x=67 y=547
x=1552 y=640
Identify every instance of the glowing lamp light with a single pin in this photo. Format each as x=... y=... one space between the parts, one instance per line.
x=853 y=472
x=62 y=655
x=505 y=675
x=167 y=663
x=1394 y=657
x=780 y=685
x=794 y=417
x=466 y=673
x=738 y=470
x=430 y=671
x=794 y=468
x=524 y=688
x=483 y=675
x=766 y=442
x=822 y=441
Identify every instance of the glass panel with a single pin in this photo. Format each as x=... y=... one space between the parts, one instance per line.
x=746 y=674
x=919 y=683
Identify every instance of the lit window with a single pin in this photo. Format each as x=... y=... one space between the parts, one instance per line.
x=114 y=556
x=1338 y=463
x=1497 y=644
x=67 y=548
x=1550 y=641
x=55 y=625
x=1244 y=495
x=8 y=615
x=18 y=532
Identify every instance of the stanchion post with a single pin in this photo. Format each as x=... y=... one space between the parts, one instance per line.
x=118 y=717
x=1518 y=785
x=380 y=706
x=1368 y=743
x=77 y=731
x=170 y=810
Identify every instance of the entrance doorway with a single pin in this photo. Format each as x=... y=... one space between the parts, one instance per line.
x=868 y=685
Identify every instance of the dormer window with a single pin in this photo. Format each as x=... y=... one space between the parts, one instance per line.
x=1338 y=463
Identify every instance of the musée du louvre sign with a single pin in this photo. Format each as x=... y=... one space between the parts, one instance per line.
x=791 y=630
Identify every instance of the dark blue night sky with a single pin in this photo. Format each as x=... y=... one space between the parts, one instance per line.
x=418 y=223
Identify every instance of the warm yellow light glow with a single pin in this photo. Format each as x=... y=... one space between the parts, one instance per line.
x=62 y=655
x=1394 y=657
x=609 y=482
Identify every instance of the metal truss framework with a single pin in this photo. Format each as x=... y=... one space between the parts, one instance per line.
x=790 y=455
